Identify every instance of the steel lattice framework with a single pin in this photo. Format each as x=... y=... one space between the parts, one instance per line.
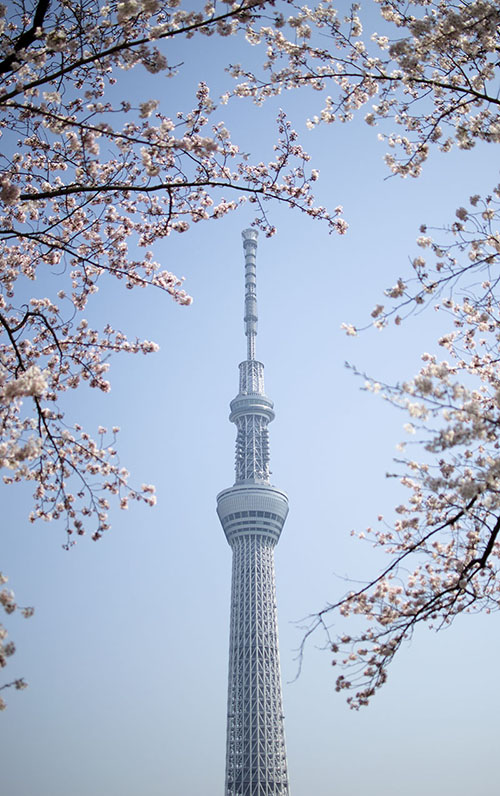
x=252 y=513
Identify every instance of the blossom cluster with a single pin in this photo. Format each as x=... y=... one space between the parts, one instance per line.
x=7 y=648
x=467 y=249
x=444 y=540
x=432 y=72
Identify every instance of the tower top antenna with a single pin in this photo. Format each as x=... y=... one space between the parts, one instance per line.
x=250 y=318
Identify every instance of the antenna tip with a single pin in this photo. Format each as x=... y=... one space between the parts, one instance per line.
x=250 y=234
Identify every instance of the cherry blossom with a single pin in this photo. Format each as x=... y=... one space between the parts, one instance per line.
x=7 y=648
x=431 y=72
x=89 y=184
x=444 y=545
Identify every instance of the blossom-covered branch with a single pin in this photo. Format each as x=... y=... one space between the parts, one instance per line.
x=89 y=182
x=432 y=70
x=80 y=192
x=8 y=648
x=444 y=544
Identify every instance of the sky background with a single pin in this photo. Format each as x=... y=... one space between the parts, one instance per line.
x=126 y=656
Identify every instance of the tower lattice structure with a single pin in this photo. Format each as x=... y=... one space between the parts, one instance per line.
x=252 y=513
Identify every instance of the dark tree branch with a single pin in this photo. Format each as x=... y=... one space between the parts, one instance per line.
x=26 y=38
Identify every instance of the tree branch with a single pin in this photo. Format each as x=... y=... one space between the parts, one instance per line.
x=26 y=38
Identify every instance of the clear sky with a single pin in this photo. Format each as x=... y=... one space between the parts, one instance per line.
x=126 y=656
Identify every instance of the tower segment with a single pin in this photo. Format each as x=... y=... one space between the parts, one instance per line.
x=252 y=513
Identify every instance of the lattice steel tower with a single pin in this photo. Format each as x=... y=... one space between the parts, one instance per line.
x=252 y=513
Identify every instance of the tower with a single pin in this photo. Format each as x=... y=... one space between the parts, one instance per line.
x=252 y=513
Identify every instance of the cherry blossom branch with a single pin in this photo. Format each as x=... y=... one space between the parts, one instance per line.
x=126 y=45
x=26 y=38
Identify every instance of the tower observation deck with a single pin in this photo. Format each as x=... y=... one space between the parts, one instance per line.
x=252 y=513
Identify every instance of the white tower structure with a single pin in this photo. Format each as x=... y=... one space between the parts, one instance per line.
x=252 y=513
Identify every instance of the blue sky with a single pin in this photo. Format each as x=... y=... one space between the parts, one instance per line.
x=126 y=655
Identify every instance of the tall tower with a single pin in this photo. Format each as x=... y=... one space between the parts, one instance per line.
x=252 y=513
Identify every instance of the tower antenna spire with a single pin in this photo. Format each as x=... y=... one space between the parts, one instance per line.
x=250 y=318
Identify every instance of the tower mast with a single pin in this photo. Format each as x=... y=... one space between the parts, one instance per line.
x=252 y=513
